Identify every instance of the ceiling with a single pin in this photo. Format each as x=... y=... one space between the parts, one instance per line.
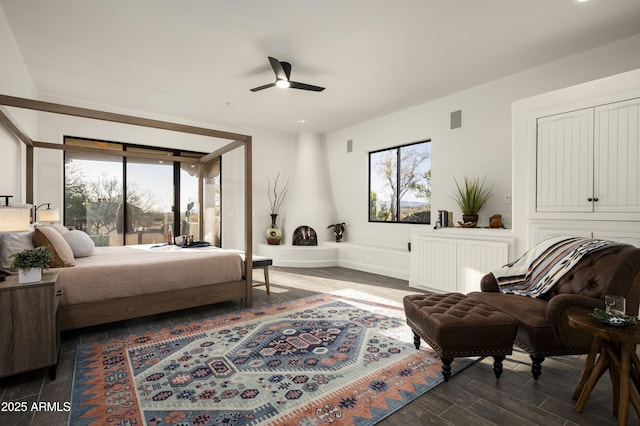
x=195 y=60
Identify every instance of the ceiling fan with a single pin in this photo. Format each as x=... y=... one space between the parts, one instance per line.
x=283 y=71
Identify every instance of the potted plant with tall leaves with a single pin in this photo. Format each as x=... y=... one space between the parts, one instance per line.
x=471 y=196
x=31 y=262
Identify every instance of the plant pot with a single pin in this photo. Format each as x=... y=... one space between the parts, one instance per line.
x=30 y=275
x=470 y=218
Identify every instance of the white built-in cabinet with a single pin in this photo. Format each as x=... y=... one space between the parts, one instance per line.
x=623 y=233
x=587 y=160
x=454 y=260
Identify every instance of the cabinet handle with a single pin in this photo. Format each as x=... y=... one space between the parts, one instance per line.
x=589 y=199
x=595 y=199
x=59 y=292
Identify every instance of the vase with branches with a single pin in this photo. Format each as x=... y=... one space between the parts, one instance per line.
x=276 y=200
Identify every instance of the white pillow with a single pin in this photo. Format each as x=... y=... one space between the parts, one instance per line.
x=81 y=244
x=13 y=242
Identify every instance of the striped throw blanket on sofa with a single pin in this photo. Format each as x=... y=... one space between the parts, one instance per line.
x=540 y=268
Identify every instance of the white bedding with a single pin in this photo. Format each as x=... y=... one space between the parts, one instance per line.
x=115 y=272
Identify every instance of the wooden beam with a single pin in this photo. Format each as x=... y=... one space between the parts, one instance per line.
x=218 y=152
x=13 y=128
x=134 y=154
x=30 y=170
x=117 y=118
x=248 y=220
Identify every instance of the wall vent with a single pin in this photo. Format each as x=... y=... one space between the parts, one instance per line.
x=456 y=119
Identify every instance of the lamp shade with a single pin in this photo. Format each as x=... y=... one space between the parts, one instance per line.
x=14 y=219
x=49 y=215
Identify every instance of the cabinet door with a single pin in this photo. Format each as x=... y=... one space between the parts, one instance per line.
x=27 y=328
x=564 y=180
x=477 y=258
x=434 y=264
x=617 y=157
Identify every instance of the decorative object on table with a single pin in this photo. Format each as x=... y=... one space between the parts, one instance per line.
x=614 y=320
x=470 y=224
x=445 y=219
x=615 y=305
x=31 y=262
x=495 y=221
x=186 y=224
x=170 y=236
x=338 y=230
x=326 y=359
x=274 y=234
x=471 y=197
x=276 y=199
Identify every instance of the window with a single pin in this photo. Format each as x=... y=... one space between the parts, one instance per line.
x=154 y=181
x=400 y=184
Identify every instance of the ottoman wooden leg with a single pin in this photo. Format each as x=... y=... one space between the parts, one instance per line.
x=536 y=366
x=497 y=365
x=416 y=340
x=446 y=368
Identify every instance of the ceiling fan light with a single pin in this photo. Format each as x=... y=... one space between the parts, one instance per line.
x=283 y=84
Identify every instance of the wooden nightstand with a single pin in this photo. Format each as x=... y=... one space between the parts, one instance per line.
x=29 y=329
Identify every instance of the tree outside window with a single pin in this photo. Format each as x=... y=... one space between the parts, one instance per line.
x=400 y=184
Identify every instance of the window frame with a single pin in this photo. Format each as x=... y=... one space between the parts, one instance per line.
x=155 y=153
x=398 y=165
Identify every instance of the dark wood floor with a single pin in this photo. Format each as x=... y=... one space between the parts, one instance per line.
x=471 y=397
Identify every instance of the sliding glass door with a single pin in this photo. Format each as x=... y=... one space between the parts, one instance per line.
x=154 y=181
x=93 y=191
x=150 y=199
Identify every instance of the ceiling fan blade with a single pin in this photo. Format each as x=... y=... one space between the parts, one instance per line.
x=286 y=66
x=266 y=86
x=281 y=73
x=303 y=86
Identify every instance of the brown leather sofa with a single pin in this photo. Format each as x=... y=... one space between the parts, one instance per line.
x=543 y=328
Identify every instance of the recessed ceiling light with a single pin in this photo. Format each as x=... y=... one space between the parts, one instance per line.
x=302 y=121
x=582 y=1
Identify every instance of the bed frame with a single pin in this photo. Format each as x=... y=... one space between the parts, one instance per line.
x=87 y=314
x=106 y=311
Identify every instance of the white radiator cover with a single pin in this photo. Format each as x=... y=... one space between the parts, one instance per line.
x=452 y=261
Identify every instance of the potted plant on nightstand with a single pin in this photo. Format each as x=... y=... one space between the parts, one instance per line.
x=471 y=197
x=31 y=262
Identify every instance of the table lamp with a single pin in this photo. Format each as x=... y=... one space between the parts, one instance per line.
x=13 y=219
x=48 y=214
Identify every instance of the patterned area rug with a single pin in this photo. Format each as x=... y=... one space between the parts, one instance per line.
x=327 y=359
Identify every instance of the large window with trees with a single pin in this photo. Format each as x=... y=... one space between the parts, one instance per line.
x=126 y=194
x=400 y=184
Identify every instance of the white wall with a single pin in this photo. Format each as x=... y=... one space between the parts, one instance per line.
x=482 y=147
x=14 y=81
x=273 y=153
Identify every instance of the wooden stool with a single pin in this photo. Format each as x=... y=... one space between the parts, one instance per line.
x=264 y=263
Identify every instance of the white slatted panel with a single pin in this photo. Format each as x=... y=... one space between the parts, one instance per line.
x=476 y=258
x=454 y=264
x=617 y=136
x=433 y=264
x=564 y=180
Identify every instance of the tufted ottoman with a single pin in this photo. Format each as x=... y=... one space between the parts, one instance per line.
x=455 y=325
